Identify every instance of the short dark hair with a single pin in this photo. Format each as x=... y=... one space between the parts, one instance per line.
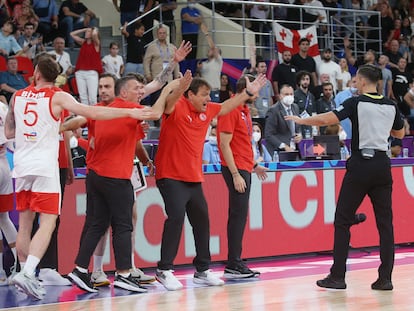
x=303 y=40
x=370 y=72
x=49 y=68
x=113 y=43
x=138 y=25
x=29 y=24
x=139 y=77
x=108 y=75
x=121 y=83
x=195 y=86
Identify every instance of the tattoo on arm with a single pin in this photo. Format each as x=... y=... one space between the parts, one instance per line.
x=163 y=76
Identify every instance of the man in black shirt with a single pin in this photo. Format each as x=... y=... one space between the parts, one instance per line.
x=368 y=172
x=302 y=61
x=135 y=48
x=284 y=73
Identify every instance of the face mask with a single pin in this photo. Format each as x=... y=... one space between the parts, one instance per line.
x=288 y=100
x=191 y=5
x=212 y=140
x=342 y=135
x=73 y=142
x=353 y=90
x=256 y=136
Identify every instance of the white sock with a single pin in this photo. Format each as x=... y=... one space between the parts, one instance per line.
x=31 y=264
x=22 y=265
x=133 y=261
x=97 y=263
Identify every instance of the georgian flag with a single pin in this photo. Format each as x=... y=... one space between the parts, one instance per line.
x=287 y=39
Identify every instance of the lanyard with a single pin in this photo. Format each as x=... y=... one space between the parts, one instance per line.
x=307 y=101
x=162 y=52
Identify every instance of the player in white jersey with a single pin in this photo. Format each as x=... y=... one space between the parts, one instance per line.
x=33 y=120
x=7 y=228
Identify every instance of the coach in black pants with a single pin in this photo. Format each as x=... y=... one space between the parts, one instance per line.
x=368 y=172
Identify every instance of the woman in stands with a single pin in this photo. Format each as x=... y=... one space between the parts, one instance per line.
x=259 y=149
x=88 y=65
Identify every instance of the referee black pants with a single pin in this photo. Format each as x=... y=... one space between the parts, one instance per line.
x=112 y=200
x=238 y=210
x=180 y=198
x=365 y=177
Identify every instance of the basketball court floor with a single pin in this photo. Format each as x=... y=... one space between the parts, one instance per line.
x=286 y=283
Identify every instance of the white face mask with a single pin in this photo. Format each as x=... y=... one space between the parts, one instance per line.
x=353 y=90
x=288 y=100
x=191 y=5
x=256 y=136
x=212 y=140
x=73 y=142
x=342 y=135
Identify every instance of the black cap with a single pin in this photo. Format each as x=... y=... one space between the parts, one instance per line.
x=327 y=50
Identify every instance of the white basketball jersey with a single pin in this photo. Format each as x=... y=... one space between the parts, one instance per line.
x=37 y=133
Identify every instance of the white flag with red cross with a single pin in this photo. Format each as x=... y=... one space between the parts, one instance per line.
x=288 y=39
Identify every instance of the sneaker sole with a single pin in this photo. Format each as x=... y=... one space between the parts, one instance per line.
x=81 y=284
x=330 y=287
x=129 y=287
x=232 y=276
x=205 y=282
x=101 y=284
x=170 y=289
x=147 y=281
x=22 y=288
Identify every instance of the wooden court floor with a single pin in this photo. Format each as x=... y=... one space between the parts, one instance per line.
x=284 y=285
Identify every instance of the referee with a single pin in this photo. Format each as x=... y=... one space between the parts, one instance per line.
x=368 y=172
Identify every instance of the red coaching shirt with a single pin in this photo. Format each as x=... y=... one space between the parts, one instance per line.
x=182 y=137
x=115 y=142
x=239 y=123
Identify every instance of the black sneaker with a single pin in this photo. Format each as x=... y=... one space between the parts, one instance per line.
x=129 y=283
x=330 y=282
x=82 y=280
x=382 y=284
x=239 y=271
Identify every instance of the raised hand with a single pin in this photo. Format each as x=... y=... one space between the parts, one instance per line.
x=185 y=81
x=182 y=51
x=255 y=86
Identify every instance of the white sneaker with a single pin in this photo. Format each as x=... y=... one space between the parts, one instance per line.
x=3 y=278
x=207 y=278
x=167 y=278
x=99 y=278
x=143 y=278
x=51 y=277
x=29 y=285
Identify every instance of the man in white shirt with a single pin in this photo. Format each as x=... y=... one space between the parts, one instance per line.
x=62 y=57
x=328 y=66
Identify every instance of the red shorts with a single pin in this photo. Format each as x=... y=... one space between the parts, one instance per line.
x=39 y=194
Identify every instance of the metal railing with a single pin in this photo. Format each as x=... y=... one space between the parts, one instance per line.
x=330 y=33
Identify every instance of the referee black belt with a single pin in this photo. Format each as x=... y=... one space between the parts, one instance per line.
x=369 y=153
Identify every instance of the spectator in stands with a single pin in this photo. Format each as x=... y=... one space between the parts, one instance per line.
x=259 y=15
x=260 y=153
x=396 y=146
x=328 y=66
x=345 y=76
x=297 y=17
x=30 y=43
x=406 y=28
x=279 y=12
x=47 y=11
x=135 y=48
x=211 y=153
x=74 y=15
x=226 y=91
x=89 y=65
x=11 y=80
x=27 y=16
x=281 y=135
x=128 y=8
x=191 y=19
x=386 y=76
x=393 y=53
x=167 y=16
x=4 y=12
x=326 y=102
x=62 y=57
x=304 y=98
x=8 y=44
x=157 y=56
x=303 y=62
x=385 y=25
x=401 y=83
x=341 y=97
x=113 y=63
x=284 y=73
x=317 y=91
x=265 y=98
x=211 y=68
